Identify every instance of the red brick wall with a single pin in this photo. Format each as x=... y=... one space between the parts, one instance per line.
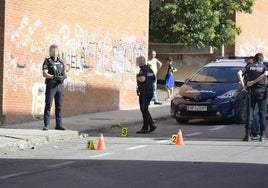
x=98 y=39
x=254 y=36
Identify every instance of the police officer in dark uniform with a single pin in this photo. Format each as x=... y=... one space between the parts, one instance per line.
x=54 y=72
x=257 y=94
x=145 y=80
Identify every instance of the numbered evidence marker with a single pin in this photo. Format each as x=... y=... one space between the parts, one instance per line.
x=174 y=139
x=90 y=145
x=124 y=131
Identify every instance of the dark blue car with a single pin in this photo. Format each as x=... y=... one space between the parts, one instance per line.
x=208 y=94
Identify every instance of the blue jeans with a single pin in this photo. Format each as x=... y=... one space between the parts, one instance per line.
x=255 y=127
x=155 y=99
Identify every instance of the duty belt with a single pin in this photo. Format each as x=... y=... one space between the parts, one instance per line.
x=257 y=86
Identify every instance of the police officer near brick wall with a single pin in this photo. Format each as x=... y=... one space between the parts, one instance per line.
x=256 y=76
x=145 y=80
x=54 y=72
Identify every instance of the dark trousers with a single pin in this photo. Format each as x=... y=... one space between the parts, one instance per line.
x=57 y=94
x=144 y=100
x=257 y=96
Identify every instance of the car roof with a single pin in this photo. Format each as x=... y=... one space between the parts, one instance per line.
x=227 y=63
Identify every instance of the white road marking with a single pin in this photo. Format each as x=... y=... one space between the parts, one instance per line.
x=217 y=128
x=163 y=141
x=193 y=134
x=101 y=155
x=60 y=164
x=13 y=175
x=136 y=147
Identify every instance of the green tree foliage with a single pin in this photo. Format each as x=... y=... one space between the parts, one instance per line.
x=196 y=22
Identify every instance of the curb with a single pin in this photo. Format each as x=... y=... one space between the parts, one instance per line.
x=32 y=141
x=104 y=128
x=22 y=139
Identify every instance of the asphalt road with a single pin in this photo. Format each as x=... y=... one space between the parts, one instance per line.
x=213 y=156
x=124 y=174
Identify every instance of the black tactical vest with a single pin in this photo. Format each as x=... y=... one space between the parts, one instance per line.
x=146 y=86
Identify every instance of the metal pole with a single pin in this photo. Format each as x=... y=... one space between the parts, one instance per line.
x=222 y=50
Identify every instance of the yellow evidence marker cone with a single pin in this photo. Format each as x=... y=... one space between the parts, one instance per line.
x=174 y=139
x=90 y=145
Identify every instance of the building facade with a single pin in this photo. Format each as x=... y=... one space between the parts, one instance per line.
x=254 y=36
x=253 y=39
x=98 y=39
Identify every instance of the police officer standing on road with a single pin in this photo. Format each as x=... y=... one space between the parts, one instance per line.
x=54 y=72
x=256 y=71
x=145 y=80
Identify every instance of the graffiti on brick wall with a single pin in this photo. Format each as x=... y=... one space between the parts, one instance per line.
x=76 y=85
x=84 y=52
x=38 y=95
x=17 y=75
x=252 y=45
x=22 y=36
x=38 y=101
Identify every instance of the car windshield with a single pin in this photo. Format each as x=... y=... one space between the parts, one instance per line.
x=216 y=75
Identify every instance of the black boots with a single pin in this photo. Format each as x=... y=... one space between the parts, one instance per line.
x=247 y=137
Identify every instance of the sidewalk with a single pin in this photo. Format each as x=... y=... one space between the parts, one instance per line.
x=30 y=134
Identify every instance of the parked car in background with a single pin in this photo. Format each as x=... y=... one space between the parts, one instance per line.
x=208 y=94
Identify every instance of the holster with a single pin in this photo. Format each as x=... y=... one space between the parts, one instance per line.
x=51 y=83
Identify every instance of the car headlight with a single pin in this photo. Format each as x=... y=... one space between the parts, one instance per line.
x=228 y=94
